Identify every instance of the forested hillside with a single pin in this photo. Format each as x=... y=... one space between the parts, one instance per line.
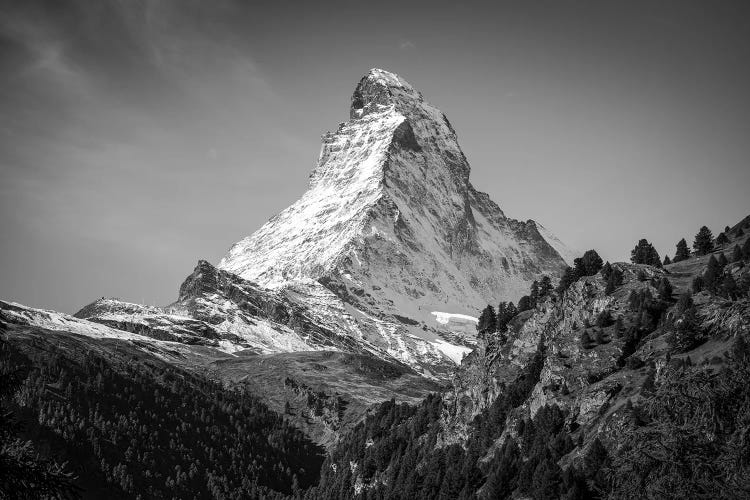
x=132 y=426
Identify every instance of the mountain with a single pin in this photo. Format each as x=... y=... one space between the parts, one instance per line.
x=389 y=253
x=392 y=231
x=633 y=382
x=637 y=390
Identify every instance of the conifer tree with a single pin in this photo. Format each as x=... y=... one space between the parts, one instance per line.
x=568 y=278
x=487 y=321
x=525 y=303
x=712 y=275
x=682 y=251
x=723 y=260
x=606 y=270
x=684 y=303
x=697 y=284
x=703 y=243
x=645 y=253
x=545 y=286
x=746 y=250
x=534 y=292
x=506 y=311
x=667 y=261
x=722 y=239
x=665 y=289
x=592 y=263
x=684 y=335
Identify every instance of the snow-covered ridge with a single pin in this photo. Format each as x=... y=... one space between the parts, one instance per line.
x=389 y=234
x=393 y=228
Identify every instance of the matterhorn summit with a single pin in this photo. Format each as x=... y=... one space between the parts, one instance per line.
x=389 y=254
x=392 y=231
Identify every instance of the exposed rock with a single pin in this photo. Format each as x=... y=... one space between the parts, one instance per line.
x=393 y=228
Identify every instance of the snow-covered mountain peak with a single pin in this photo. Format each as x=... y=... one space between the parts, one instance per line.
x=392 y=229
x=380 y=89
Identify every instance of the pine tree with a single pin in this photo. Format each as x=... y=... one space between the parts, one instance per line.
x=722 y=239
x=545 y=286
x=703 y=243
x=739 y=232
x=506 y=311
x=665 y=289
x=525 y=304
x=606 y=270
x=590 y=263
x=684 y=335
x=684 y=303
x=736 y=254
x=487 y=321
x=667 y=260
x=712 y=275
x=568 y=278
x=697 y=284
x=595 y=458
x=723 y=260
x=534 y=292
x=682 y=252
x=746 y=250
x=645 y=253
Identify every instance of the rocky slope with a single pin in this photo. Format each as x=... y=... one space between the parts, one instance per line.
x=580 y=393
x=392 y=226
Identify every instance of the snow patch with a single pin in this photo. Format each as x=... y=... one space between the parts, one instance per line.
x=444 y=318
x=454 y=352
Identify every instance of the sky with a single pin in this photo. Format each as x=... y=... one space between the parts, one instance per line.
x=137 y=137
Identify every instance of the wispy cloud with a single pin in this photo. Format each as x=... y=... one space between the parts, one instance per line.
x=406 y=45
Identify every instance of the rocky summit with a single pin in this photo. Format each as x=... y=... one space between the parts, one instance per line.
x=389 y=253
x=392 y=231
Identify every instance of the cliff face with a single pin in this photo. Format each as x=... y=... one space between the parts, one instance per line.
x=602 y=353
x=574 y=373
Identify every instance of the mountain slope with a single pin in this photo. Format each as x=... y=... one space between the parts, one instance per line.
x=391 y=223
x=595 y=393
x=390 y=239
